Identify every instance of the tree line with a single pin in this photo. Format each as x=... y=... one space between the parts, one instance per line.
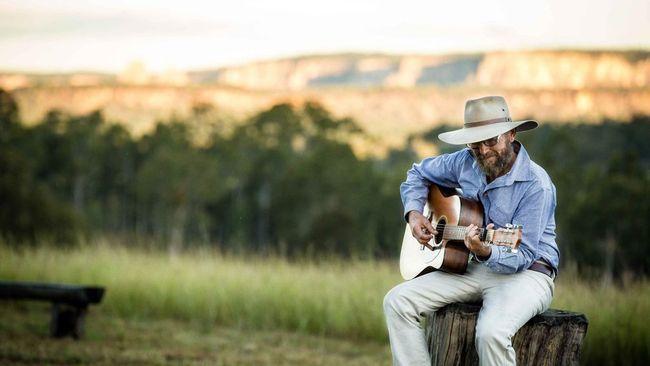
x=287 y=182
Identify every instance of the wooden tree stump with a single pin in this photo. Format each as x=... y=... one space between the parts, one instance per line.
x=551 y=338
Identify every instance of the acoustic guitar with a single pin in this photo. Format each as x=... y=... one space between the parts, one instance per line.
x=450 y=215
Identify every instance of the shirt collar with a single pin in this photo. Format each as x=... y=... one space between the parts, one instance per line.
x=520 y=171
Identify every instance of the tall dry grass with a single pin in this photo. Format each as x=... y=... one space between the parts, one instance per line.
x=335 y=297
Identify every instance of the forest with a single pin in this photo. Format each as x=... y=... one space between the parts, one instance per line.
x=287 y=182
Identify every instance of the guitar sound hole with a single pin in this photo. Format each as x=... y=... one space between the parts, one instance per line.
x=440 y=227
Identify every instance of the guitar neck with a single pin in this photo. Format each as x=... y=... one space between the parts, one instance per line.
x=458 y=233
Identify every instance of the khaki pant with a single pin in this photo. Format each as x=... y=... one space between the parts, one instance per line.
x=509 y=301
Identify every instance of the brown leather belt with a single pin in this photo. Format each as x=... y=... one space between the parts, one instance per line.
x=542 y=267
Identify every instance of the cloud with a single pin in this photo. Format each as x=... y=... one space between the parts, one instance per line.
x=24 y=24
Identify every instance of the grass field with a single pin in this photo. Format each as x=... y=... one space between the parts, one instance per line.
x=198 y=299
x=111 y=340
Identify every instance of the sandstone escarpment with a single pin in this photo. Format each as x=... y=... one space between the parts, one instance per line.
x=513 y=70
x=389 y=114
x=390 y=96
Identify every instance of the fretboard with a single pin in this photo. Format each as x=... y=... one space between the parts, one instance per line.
x=458 y=233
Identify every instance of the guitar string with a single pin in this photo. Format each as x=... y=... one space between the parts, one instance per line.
x=456 y=227
x=453 y=231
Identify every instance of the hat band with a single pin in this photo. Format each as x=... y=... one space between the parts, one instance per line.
x=487 y=122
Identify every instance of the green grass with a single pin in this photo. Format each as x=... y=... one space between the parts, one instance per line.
x=110 y=340
x=335 y=298
x=618 y=332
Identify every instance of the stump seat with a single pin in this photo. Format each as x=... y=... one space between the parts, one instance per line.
x=551 y=338
x=69 y=303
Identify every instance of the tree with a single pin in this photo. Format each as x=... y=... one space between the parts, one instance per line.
x=29 y=212
x=175 y=184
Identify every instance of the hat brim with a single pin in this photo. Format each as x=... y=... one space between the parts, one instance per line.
x=475 y=134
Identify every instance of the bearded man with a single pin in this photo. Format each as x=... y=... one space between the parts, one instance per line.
x=496 y=170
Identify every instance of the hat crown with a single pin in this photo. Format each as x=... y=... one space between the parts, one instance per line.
x=486 y=109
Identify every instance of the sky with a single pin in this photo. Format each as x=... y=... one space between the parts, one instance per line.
x=93 y=35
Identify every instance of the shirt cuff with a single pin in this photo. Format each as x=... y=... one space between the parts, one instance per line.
x=412 y=206
x=493 y=258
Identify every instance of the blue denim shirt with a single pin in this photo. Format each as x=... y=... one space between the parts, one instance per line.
x=524 y=196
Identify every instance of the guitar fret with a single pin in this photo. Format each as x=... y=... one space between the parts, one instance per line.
x=456 y=232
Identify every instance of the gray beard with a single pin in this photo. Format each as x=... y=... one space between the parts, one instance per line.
x=500 y=165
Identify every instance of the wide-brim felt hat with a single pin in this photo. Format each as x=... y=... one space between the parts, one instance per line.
x=485 y=118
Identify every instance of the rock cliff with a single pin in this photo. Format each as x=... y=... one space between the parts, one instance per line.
x=390 y=96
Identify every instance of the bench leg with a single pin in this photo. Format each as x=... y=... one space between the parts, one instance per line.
x=67 y=320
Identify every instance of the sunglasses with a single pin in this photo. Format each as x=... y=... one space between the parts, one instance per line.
x=489 y=143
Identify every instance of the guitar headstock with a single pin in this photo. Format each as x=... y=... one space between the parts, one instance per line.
x=508 y=236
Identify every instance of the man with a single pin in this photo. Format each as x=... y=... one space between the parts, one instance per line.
x=496 y=170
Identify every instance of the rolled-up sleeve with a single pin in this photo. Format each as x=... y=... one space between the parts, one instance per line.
x=442 y=170
x=532 y=213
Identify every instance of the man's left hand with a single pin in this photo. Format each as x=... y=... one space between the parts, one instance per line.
x=473 y=243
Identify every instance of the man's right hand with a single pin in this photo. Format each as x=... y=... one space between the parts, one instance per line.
x=421 y=227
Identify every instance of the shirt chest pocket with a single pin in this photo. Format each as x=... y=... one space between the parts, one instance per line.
x=500 y=216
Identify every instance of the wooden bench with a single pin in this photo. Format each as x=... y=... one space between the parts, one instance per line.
x=551 y=338
x=69 y=303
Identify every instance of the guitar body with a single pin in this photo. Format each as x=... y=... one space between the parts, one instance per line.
x=444 y=207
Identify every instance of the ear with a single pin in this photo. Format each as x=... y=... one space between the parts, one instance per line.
x=511 y=135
